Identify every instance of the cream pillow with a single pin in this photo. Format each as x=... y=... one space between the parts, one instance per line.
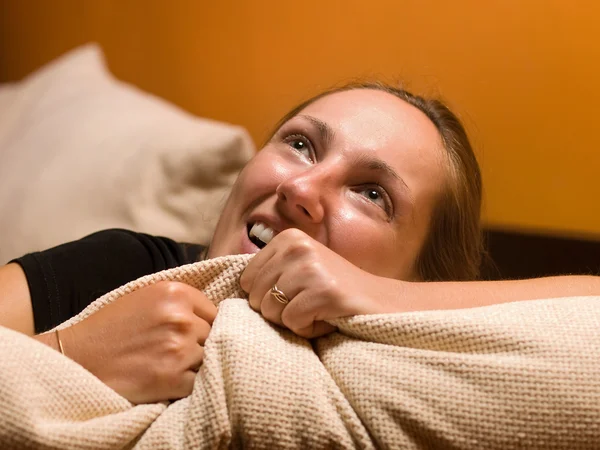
x=81 y=151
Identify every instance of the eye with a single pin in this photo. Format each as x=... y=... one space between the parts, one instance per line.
x=302 y=145
x=377 y=195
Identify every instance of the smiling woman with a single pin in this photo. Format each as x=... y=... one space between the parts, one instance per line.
x=408 y=155
x=366 y=199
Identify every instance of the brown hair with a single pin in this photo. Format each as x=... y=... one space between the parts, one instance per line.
x=453 y=248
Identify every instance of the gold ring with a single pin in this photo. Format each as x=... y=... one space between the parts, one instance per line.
x=278 y=295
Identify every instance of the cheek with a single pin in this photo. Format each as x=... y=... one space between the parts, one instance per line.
x=262 y=175
x=377 y=248
x=359 y=239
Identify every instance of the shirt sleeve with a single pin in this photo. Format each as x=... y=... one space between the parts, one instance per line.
x=65 y=279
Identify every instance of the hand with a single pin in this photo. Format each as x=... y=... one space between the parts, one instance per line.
x=147 y=345
x=320 y=284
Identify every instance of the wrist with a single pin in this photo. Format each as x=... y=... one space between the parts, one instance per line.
x=397 y=296
x=409 y=297
x=61 y=341
x=68 y=344
x=390 y=296
x=48 y=339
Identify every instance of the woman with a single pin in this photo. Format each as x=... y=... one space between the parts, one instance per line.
x=361 y=195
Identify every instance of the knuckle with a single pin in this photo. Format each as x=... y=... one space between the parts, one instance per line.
x=166 y=293
x=313 y=269
x=288 y=320
x=204 y=331
x=173 y=305
x=300 y=247
x=173 y=346
x=179 y=322
x=292 y=234
x=174 y=290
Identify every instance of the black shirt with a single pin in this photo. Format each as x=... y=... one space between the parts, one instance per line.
x=65 y=279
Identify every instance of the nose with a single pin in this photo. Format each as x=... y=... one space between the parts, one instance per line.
x=300 y=197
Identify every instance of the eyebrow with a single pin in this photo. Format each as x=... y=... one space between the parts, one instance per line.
x=326 y=133
x=378 y=165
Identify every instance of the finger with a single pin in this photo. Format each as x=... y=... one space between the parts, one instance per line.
x=278 y=271
x=266 y=277
x=271 y=309
x=302 y=315
x=203 y=307
x=185 y=385
x=201 y=330
x=255 y=301
x=256 y=264
x=196 y=358
x=288 y=283
x=314 y=330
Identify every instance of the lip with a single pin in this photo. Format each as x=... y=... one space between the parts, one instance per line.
x=247 y=246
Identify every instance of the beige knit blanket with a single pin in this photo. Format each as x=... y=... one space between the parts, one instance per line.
x=519 y=375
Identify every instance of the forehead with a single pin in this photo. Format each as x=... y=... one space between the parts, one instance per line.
x=378 y=122
x=375 y=119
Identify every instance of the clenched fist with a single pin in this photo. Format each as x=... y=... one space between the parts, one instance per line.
x=319 y=285
x=147 y=345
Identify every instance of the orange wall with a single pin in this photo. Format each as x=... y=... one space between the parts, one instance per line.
x=525 y=75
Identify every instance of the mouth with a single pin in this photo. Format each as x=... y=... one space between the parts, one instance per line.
x=260 y=234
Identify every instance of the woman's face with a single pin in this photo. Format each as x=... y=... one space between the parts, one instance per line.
x=359 y=171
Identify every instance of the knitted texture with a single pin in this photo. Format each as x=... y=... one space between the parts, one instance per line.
x=515 y=375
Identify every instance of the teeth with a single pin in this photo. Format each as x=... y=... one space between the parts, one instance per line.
x=262 y=232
